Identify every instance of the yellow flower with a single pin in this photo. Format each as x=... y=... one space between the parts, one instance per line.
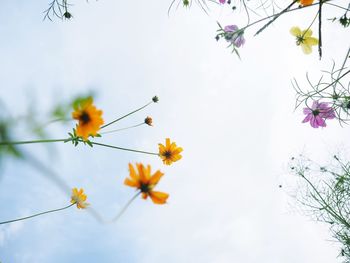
x=79 y=198
x=89 y=117
x=170 y=152
x=304 y=39
x=305 y=2
x=145 y=182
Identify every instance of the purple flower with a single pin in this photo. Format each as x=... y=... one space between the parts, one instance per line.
x=222 y=1
x=318 y=114
x=234 y=35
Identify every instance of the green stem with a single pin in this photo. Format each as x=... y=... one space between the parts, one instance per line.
x=110 y=123
x=325 y=205
x=80 y=140
x=338 y=6
x=278 y=14
x=275 y=17
x=313 y=21
x=121 y=148
x=121 y=129
x=343 y=65
x=54 y=121
x=65 y=5
x=42 y=213
x=334 y=82
x=52 y=175
x=125 y=207
x=33 y=141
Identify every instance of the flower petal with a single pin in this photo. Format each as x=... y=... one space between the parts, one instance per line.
x=167 y=142
x=307 y=111
x=320 y=122
x=155 y=178
x=306 y=48
x=323 y=106
x=314 y=105
x=144 y=195
x=141 y=171
x=307 y=118
x=132 y=172
x=295 y=31
x=131 y=183
x=158 y=197
x=306 y=33
x=312 y=41
x=231 y=28
x=313 y=122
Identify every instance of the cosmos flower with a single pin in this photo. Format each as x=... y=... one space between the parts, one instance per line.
x=78 y=197
x=169 y=152
x=304 y=39
x=89 y=117
x=234 y=35
x=318 y=114
x=145 y=182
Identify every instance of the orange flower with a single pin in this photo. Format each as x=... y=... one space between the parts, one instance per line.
x=145 y=182
x=89 y=117
x=170 y=152
x=79 y=198
x=306 y=2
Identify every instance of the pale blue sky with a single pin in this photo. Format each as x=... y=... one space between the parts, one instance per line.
x=233 y=118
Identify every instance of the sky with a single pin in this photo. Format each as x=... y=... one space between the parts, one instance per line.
x=234 y=118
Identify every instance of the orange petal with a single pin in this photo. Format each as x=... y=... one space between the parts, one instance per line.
x=158 y=197
x=167 y=161
x=82 y=132
x=176 y=157
x=178 y=150
x=144 y=177
x=131 y=183
x=148 y=171
x=76 y=115
x=132 y=172
x=172 y=146
x=161 y=146
x=167 y=142
x=144 y=195
x=156 y=177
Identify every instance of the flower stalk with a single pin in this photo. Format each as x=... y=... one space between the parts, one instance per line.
x=125 y=207
x=35 y=215
x=80 y=140
x=154 y=100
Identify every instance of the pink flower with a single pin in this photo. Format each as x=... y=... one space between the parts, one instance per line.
x=234 y=35
x=318 y=114
x=222 y=1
